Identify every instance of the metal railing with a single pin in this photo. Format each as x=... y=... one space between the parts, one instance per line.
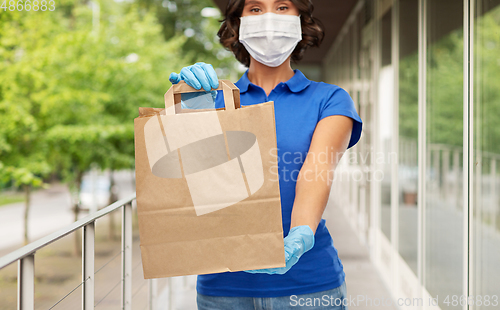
x=25 y=257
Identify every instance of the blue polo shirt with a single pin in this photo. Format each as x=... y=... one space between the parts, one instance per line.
x=299 y=104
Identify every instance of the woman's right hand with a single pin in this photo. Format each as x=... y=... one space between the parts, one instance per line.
x=199 y=75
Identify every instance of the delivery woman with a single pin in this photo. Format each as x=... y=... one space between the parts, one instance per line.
x=315 y=124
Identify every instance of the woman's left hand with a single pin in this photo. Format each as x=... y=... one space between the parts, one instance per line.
x=299 y=240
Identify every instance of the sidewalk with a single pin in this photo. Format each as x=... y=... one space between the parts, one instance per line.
x=361 y=276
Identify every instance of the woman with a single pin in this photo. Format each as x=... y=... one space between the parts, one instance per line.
x=315 y=124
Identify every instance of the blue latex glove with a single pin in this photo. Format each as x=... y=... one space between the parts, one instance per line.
x=300 y=239
x=200 y=75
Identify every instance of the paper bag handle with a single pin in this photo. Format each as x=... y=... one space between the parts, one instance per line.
x=173 y=96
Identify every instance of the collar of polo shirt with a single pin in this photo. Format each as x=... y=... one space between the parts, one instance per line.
x=296 y=84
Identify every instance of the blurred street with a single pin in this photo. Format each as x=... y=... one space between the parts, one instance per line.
x=50 y=210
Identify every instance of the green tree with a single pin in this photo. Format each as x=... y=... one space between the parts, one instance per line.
x=22 y=150
x=70 y=89
x=445 y=87
x=71 y=81
x=198 y=21
x=487 y=79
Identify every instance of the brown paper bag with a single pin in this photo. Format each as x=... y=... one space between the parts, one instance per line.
x=207 y=187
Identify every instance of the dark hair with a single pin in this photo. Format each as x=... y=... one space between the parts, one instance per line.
x=312 y=30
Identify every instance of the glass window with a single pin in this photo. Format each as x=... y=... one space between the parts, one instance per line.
x=444 y=116
x=385 y=110
x=486 y=184
x=408 y=131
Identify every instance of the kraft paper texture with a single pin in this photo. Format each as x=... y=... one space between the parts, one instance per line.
x=207 y=188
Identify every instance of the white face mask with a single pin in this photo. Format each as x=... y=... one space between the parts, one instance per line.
x=270 y=38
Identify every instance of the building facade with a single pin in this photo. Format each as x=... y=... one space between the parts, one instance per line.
x=422 y=187
x=423 y=183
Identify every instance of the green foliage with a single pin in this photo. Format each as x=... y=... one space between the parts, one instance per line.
x=183 y=17
x=444 y=92
x=71 y=81
x=76 y=148
x=445 y=88
x=487 y=81
x=21 y=176
x=408 y=97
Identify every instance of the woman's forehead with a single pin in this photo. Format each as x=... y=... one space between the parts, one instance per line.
x=250 y=2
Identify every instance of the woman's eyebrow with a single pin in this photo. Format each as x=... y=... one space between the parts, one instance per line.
x=251 y=2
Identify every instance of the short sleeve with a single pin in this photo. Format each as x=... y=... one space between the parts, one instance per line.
x=339 y=102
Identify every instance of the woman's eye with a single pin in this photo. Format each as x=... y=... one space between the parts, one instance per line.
x=282 y=8
x=255 y=10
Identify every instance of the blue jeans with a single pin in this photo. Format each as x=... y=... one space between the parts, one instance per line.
x=326 y=300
